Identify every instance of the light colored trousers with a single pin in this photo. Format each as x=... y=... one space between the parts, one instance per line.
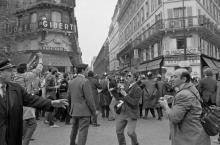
x=112 y=113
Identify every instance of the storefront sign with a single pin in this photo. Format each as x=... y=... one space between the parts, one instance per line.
x=177 y=62
x=14 y=28
x=52 y=48
x=181 y=51
x=30 y=27
x=57 y=25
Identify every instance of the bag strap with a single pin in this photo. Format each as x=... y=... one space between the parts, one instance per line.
x=146 y=90
x=204 y=105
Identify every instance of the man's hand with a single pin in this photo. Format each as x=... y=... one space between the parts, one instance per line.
x=123 y=92
x=163 y=103
x=61 y=103
x=97 y=112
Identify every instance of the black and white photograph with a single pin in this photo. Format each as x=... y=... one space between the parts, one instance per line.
x=109 y=72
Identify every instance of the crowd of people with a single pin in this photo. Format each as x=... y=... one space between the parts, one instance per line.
x=123 y=98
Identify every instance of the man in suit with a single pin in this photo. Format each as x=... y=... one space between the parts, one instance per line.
x=82 y=105
x=208 y=87
x=12 y=99
x=129 y=112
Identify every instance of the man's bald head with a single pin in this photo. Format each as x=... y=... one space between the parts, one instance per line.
x=180 y=71
x=181 y=76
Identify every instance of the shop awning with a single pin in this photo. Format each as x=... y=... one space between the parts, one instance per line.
x=217 y=63
x=210 y=63
x=56 y=60
x=154 y=64
x=142 y=67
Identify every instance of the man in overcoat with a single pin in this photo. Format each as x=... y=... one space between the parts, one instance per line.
x=95 y=85
x=150 y=95
x=12 y=99
x=208 y=87
x=82 y=105
x=184 y=116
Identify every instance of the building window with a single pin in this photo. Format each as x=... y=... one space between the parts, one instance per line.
x=56 y=16
x=180 y=43
x=178 y=12
x=159 y=2
x=34 y=18
x=66 y=18
x=142 y=15
x=147 y=9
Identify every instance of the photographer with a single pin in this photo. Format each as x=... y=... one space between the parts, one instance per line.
x=129 y=110
x=184 y=116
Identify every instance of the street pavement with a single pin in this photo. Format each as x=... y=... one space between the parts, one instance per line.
x=149 y=132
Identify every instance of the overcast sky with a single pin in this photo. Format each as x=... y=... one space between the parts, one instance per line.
x=94 y=19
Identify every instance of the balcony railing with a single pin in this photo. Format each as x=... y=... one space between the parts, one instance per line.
x=194 y=23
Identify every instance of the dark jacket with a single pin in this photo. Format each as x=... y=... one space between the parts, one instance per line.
x=11 y=112
x=131 y=102
x=50 y=86
x=150 y=94
x=105 y=97
x=95 y=85
x=208 y=88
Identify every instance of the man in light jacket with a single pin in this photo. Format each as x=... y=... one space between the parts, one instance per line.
x=184 y=116
x=25 y=79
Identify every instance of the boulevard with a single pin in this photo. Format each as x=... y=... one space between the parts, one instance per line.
x=150 y=132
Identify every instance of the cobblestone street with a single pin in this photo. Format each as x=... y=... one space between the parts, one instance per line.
x=150 y=132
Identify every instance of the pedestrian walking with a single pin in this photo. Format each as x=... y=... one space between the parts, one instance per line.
x=184 y=116
x=208 y=88
x=150 y=95
x=82 y=105
x=105 y=97
x=64 y=112
x=95 y=85
x=51 y=91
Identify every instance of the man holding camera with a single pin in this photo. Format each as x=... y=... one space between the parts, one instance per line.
x=129 y=111
x=184 y=116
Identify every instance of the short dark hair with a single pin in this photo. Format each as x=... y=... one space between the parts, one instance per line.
x=22 y=68
x=208 y=72
x=186 y=74
x=79 y=70
x=54 y=71
x=50 y=69
x=65 y=75
x=90 y=74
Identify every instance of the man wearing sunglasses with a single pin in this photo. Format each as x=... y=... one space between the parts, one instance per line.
x=129 y=112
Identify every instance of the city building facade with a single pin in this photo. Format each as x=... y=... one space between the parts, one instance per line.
x=101 y=64
x=162 y=35
x=92 y=62
x=48 y=26
x=113 y=37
